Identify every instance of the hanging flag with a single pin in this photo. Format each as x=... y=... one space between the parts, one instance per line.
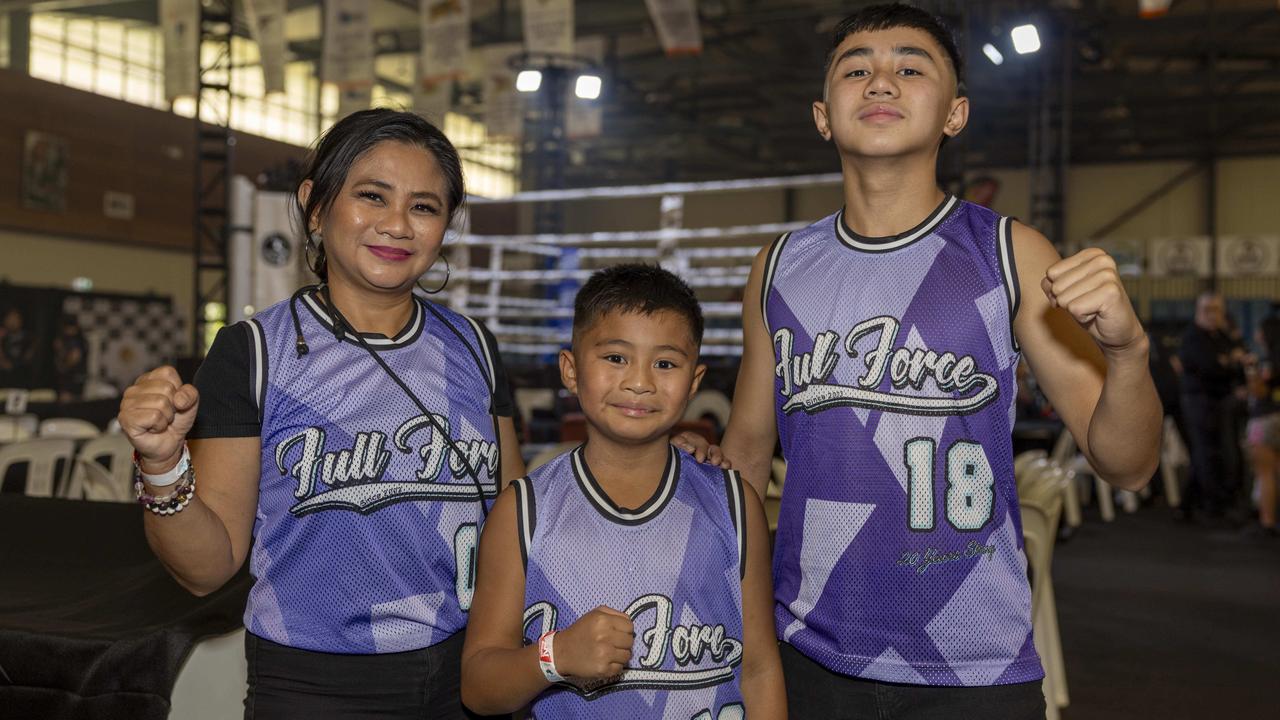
x=548 y=26
x=266 y=24
x=1153 y=8
x=677 y=25
x=502 y=109
x=446 y=40
x=180 y=24
x=584 y=118
x=348 y=53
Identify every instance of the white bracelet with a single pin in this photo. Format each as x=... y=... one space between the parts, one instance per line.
x=168 y=478
x=547 y=657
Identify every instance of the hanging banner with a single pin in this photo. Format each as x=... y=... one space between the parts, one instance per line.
x=266 y=23
x=1178 y=256
x=434 y=102
x=502 y=106
x=677 y=24
x=548 y=26
x=353 y=98
x=278 y=264
x=446 y=40
x=347 y=59
x=1129 y=253
x=180 y=25
x=584 y=118
x=1248 y=255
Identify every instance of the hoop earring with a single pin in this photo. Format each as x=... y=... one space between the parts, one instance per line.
x=310 y=247
x=447 y=271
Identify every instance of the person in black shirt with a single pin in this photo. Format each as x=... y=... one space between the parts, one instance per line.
x=1211 y=372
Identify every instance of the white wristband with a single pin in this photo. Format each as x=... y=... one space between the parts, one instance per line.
x=547 y=658
x=168 y=478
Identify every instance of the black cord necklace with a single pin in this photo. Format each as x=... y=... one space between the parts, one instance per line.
x=340 y=325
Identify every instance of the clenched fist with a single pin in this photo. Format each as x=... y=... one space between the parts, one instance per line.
x=596 y=647
x=156 y=414
x=1087 y=285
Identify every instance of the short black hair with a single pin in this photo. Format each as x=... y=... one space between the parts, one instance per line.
x=350 y=138
x=636 y=288
x=893 y=15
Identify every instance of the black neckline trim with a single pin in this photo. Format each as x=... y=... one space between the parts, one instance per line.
x=407 y=335
x=894 y=242
x=610 y=510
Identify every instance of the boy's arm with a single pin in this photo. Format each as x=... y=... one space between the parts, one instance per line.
x=752 y=432
x=499 y=673
x=762 y=685
x=1087 y=349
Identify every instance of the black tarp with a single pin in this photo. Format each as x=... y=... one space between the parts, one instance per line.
x=91 y=625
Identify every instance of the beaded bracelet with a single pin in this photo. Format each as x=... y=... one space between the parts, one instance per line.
x=174 y=502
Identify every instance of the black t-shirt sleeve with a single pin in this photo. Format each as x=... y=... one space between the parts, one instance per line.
x=224 y=380
x=503 y=405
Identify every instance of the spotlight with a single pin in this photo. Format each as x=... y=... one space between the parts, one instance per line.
x=992 y=54
x=587 y=87
x=528 y=81
x=1026 y=39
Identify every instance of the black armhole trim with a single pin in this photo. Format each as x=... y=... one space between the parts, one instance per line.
x=1009 y=270
x=526 y=517
x=766 y=279
x=736 y=495
x=259 y=366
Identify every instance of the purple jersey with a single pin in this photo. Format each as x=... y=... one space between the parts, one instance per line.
x=899 y=548
x=674 y=564
x=365 y=535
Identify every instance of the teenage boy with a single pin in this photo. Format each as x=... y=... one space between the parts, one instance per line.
x=881 y=346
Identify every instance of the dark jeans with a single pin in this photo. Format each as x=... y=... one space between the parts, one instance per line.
x=290 y=684
x=816 y=693
x=1214 y=442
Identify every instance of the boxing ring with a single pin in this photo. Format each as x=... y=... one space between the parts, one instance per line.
x=522 y=285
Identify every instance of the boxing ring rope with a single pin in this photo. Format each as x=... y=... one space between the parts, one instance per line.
x=529 y=308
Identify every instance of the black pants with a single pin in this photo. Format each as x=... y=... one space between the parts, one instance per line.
x=290 y=684
x=816 y=693
x=1213 y=439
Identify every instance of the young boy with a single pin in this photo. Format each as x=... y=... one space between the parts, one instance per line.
x=624 y=579
x=881 y=344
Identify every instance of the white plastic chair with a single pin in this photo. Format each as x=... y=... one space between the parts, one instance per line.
x=1173 y=457
x=530 y=399
x=42 y=458
x=777 y=478
x=211 y=684
x=113 y=426
x=12 y=429
x=1041 y=498
x=43 y=395
x=92 y=480
x=709 y=402
x=73 y=428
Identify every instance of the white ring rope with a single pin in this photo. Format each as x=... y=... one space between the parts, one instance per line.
x=688 y=188
x=480 y=281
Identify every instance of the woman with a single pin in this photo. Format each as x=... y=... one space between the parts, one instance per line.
x=347 y=441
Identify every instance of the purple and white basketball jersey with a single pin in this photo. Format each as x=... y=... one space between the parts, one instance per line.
x=366 y=527
x=674 y=564
x=899 y=552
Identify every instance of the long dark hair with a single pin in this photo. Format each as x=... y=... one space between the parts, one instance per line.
x=350 y=138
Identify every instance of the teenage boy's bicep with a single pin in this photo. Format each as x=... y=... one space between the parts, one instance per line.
x=762 y=684
x=752 y=432
x=1066 y=362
